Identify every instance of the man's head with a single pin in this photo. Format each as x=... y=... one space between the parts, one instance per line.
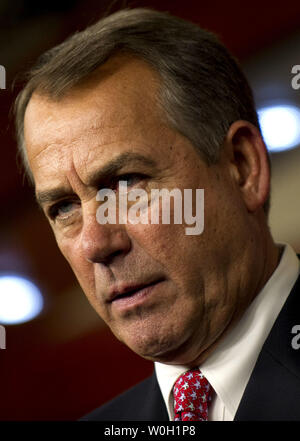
x=155 y=101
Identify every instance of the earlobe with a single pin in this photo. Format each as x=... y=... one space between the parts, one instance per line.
x=249 y=163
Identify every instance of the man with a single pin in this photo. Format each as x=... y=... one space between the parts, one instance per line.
x=145 y=101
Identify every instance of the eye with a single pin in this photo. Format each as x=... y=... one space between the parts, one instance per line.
x=63 y=210
x=127 y=180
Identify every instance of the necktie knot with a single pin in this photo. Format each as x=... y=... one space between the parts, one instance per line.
x=192 y=395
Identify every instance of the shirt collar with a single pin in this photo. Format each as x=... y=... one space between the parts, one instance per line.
x=229 y=367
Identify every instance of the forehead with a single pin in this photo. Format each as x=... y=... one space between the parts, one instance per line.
x=115 y=106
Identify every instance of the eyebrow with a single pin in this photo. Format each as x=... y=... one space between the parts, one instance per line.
x=108 y=170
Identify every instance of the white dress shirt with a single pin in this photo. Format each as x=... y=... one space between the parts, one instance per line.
x=230 y=365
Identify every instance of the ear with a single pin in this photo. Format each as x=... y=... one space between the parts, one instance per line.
x=249 y=163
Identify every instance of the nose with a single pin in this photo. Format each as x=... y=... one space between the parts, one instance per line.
x=101 y=243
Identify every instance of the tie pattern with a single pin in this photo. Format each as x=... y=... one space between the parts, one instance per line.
x=192 y=396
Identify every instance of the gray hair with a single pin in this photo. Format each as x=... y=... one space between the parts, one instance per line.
x=203 y=89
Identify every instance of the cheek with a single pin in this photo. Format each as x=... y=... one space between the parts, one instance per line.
x=158 y=241
x=173 y=251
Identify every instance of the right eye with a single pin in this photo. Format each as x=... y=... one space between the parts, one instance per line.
x=63 y=210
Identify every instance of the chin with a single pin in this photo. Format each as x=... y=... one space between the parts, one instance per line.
x=153 y=346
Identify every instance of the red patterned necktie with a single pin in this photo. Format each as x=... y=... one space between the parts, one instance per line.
x=192 y=396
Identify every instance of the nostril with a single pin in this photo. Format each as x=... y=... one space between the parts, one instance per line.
x=108 y=259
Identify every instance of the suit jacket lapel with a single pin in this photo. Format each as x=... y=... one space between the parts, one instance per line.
x=273 y=391
x=153 y=407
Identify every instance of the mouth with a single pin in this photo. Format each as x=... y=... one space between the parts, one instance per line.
x=134 y=294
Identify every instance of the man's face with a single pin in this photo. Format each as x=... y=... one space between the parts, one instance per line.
x=194 y=281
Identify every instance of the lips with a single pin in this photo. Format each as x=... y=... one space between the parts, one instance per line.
x=129 y=290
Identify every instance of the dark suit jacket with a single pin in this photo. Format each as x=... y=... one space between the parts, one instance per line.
x=272 y=393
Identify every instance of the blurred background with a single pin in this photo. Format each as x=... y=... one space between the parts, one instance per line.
x=64 y=362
